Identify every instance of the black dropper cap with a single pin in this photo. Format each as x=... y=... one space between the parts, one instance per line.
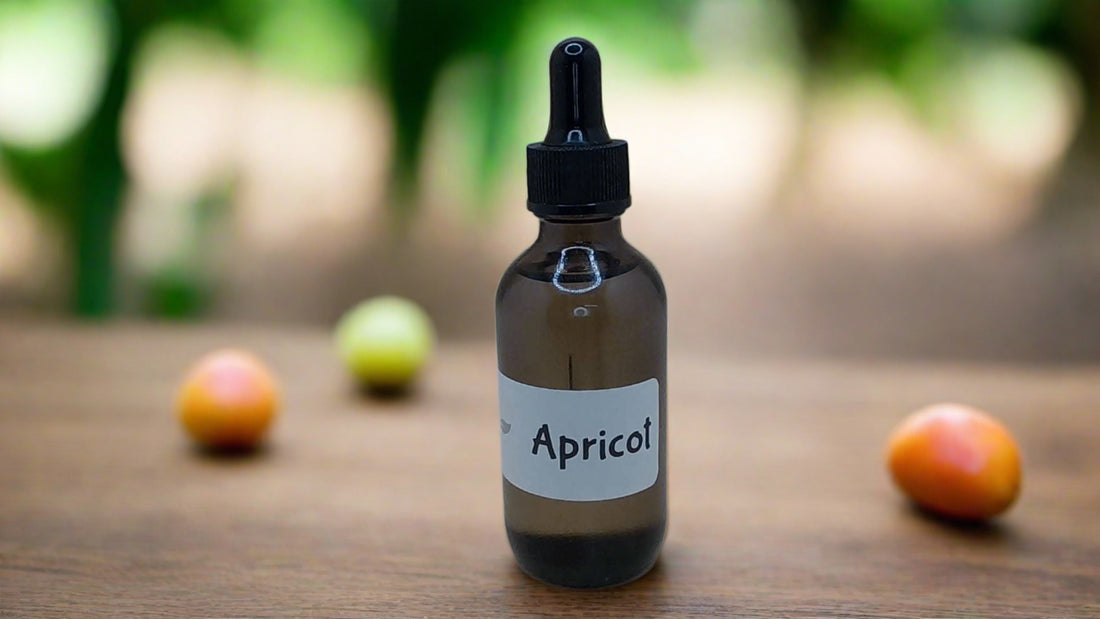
x=577 y=170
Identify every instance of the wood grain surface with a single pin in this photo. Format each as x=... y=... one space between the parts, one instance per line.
x=779 y=502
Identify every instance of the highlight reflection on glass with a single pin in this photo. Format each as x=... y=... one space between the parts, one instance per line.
x=578 y=266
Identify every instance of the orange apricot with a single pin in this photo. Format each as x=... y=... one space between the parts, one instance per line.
x=956 y=461
x=227 y=400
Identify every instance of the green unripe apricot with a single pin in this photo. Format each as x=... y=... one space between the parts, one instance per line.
x=385 y=341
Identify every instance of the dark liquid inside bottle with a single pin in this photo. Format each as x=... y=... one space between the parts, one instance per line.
x=582 y=310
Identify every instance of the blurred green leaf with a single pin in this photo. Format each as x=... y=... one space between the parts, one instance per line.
x=324 y=40
x=903 y=18
x=45 y=175
x=1006 y=16
x=81 y=180
x=176 y=292
x=417 y=40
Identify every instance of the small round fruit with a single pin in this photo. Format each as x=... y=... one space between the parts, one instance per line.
x=227 y=400
x=956 y=461
x=385 y=341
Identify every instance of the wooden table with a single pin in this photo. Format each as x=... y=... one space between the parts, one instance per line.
x=779 y=502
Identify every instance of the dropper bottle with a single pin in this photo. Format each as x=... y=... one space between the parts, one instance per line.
x=581 y=344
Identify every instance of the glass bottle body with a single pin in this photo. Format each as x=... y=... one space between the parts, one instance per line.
x=583 y=310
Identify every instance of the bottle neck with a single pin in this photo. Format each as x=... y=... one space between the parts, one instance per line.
x=580 y=231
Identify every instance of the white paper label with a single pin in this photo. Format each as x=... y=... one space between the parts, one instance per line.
x=589 y=445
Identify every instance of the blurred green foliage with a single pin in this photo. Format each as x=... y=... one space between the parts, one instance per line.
x=405 y=48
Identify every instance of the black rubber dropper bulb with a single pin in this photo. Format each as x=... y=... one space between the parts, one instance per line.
x=577 y=170
x=576 y=100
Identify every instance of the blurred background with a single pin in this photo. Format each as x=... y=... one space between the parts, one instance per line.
x=860 y=178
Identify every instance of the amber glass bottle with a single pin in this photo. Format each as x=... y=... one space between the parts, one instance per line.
x=581 y=331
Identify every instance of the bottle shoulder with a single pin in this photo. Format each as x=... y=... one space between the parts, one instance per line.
x=652 y=275
x=582 y=267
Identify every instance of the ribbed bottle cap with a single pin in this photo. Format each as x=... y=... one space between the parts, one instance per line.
x=577 y=169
